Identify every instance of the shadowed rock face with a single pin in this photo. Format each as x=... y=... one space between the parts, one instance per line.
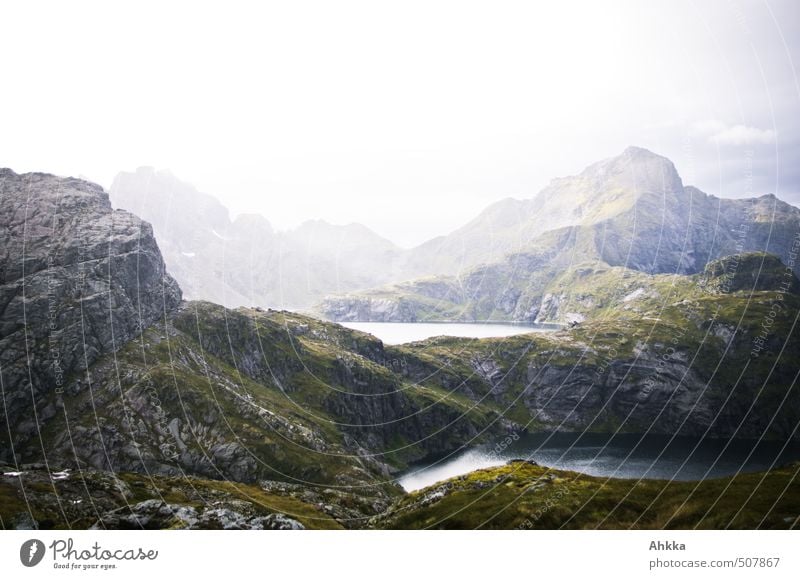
x=751 y=272
x=77 y=280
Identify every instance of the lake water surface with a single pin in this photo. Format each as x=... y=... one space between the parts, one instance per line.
x=402 y=333
x=620 y=456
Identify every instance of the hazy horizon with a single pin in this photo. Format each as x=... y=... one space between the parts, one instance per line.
x=297 y=225
x=415 y=124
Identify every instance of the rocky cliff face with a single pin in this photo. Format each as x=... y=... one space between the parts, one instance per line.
x=343 y=374
x=77 y=280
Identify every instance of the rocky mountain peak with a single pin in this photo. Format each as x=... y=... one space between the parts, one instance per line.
x=606 y=189
x=164 y=200
x=637 y=169
x=253 y=222
x=634 y=151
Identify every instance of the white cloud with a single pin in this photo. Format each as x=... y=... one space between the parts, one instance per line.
x=744 y=135
x=720 y=133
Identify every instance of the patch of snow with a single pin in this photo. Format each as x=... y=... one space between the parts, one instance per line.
x=62 y=475
x=214 y=231
x=13 y=473
x=188 y=253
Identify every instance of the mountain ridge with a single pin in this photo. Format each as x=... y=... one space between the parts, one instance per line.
x=310 y=420
x=232 y=261
x=636 y=214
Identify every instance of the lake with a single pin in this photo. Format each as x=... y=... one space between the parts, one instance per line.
x=402 y=333
x=620 y=456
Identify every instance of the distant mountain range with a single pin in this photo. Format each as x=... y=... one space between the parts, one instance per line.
x=245 y=261
x=630 y=211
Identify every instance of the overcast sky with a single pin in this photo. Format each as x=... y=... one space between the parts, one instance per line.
x=409 y=117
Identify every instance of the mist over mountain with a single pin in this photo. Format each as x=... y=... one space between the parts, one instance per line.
x=245 y=261
x=630 y=211
x=603 y=191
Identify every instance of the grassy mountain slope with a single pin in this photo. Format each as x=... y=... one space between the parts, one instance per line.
x=662 y=354
x=252 y=396
x=522 y=495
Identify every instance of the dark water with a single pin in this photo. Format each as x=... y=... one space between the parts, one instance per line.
x=621 y=456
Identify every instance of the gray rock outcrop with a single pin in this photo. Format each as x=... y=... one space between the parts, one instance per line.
x=77 y=280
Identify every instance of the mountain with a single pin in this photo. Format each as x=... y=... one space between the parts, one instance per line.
x=78 y=281
x=603 y=191
x=184 y=220
x=116 y=390
x=105 y=368
x=631 y=211
x=245 y=262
